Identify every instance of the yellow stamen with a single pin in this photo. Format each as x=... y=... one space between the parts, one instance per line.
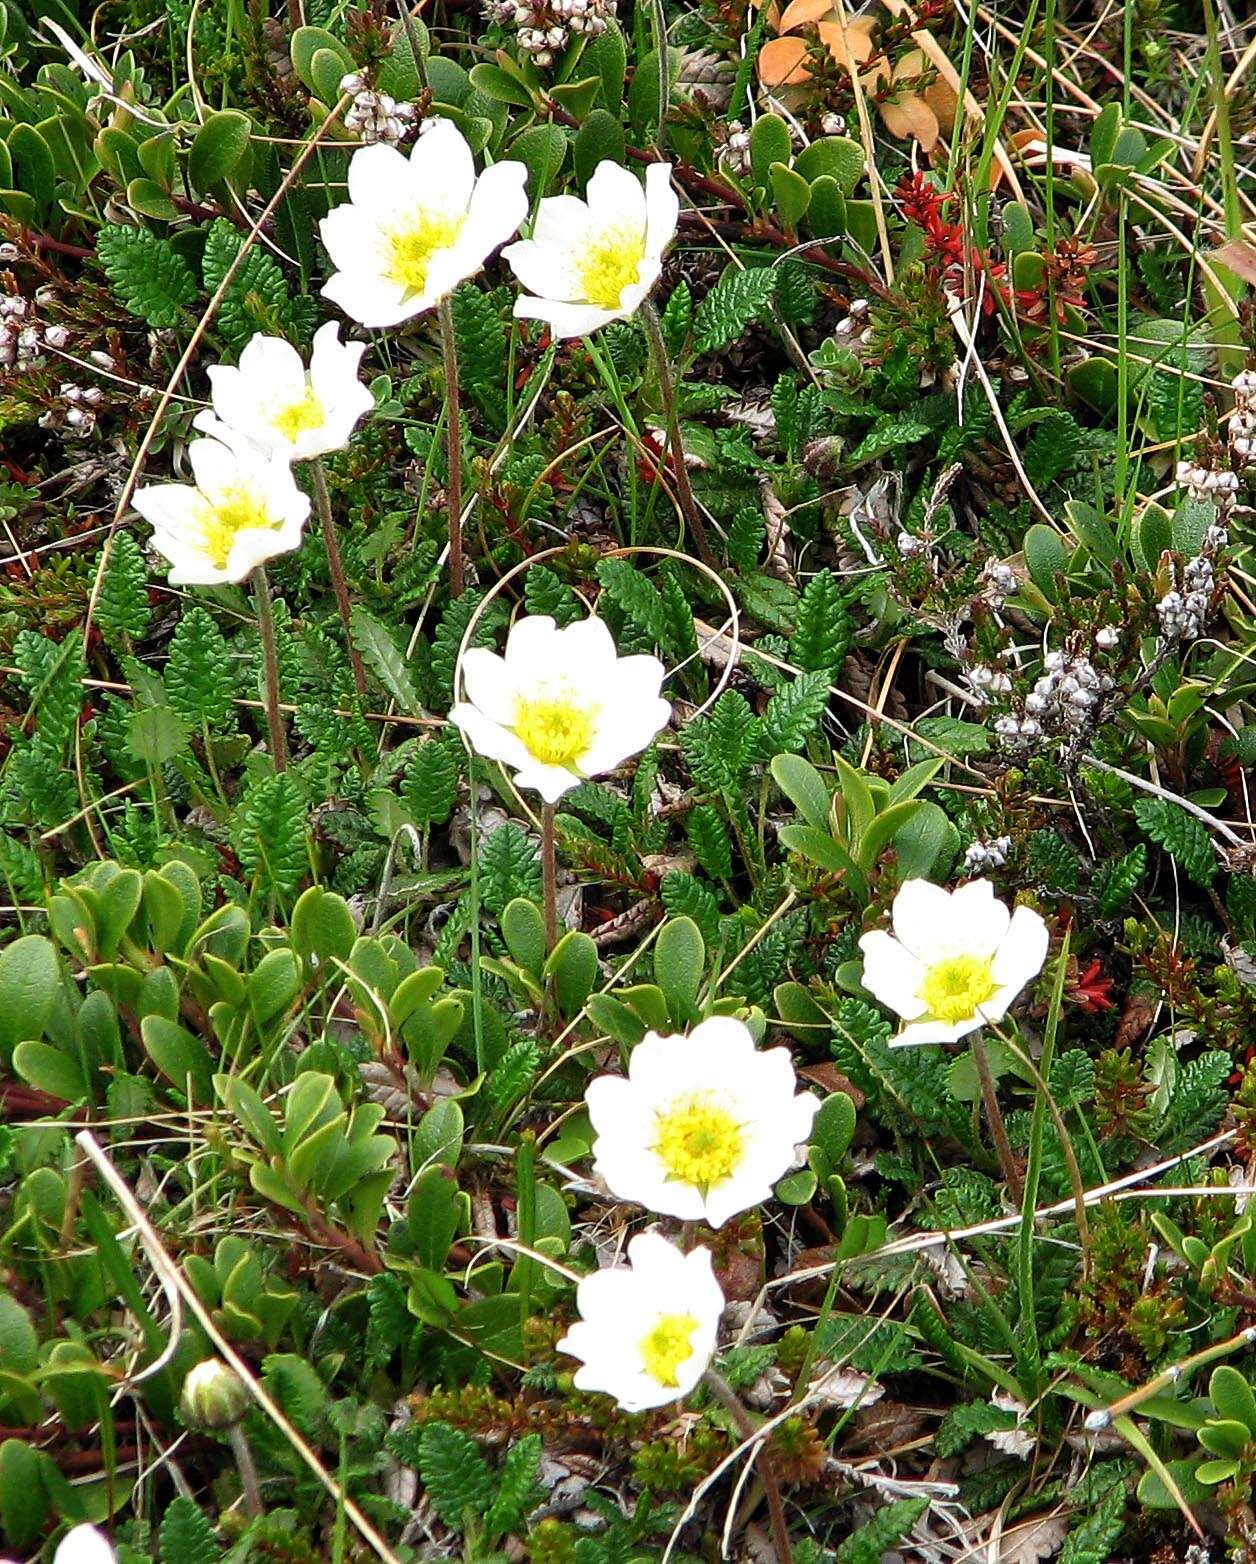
x=411 y=246
x=554 y=729
x=296 y=417
x=955 y=989
x=237 y=511
x=698 y=1142
x=667 y=1346
x=610 y=264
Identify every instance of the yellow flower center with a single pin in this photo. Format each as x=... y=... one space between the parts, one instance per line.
x=698 y=1142
x=954 y=989
x=554 y=729
x=237 y=511
x=295 y=418
x=667 y=1346
x=411 y=246
x=610 y=264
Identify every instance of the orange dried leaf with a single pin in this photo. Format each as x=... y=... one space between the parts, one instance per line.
x=783 y=62
x=911 y=117
x=944 y=103
x=850 y=45
x=798 y=13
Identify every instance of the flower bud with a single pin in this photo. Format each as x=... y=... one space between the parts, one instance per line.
x=214 y=1396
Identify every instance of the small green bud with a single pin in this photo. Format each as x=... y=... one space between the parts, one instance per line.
x=214 y=1396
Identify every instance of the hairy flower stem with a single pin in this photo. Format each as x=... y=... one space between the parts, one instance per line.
x=248 y=1471
x=994 y=1116
x=549 y=876
x=680 y=473
x=270 y=664
x=322 y=504
x=728 y=1399
x=453 y=445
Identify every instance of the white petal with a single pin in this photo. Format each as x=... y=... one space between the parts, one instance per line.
x=271 y=362
x=499 y=204
x=371 y=299
x=543 y=270
x=930 y=1031
x=489 y=738
x=633 y=294
x=651 y=1253
x=979 y=920
x=1021 y=954
x=546 y=264
x=588 y=643
x=921 y=916
x=210 y=425
x=607 y=1097
x=447 y=268
x=551 y=782
x=715 y=1050
x=615 y=195
x=442 y=168
x=228 y=389
x=892 y=974
x=215 y=465
x=563 y=222
x=83 y=1545
x=736 y=1194
x=488 y=683
x=171 y=507
x=334 y=373
x=564 y=320
x=255 y=545
x=643 y=1181
x=652 y=1064
x=625 y=725
x=662 y=208
x=533 y=650
x=379 y=177
x=351 y=237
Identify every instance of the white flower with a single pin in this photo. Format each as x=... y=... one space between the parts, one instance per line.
x=956 y=959
x=561 y=705
x=414 y=228
x=702 y=1126
x=593 y=261
x=83 y=1545
x=647 y=1329
x=243 y=509
x=274 y=402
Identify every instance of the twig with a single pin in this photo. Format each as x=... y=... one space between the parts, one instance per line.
x=549 y=876
x=727 y=1398
x=322 y=504
x=667 y=395
x=1191 y=808
x=453 y=439
x=994 y=1117
x=270 y=665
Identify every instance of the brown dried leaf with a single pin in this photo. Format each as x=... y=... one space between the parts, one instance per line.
x=842 y=1387
x=882 y=1427
x=830 y=1079
x=1031 y=1541
x=1240 y=257
x=1136 y=1017
x=627 y=925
